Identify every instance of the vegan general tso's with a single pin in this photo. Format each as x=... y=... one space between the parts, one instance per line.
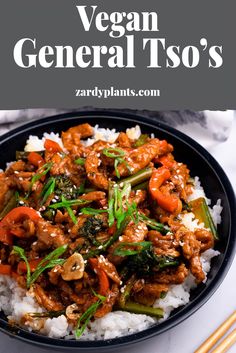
x=99 y=226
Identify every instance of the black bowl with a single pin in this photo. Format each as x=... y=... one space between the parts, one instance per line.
x=200 y=162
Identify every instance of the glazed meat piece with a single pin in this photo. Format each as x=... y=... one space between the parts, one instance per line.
x=73 y=135
x=123 y=140
x=5 y=191
x=49 y=236
x=205 y=237
x=191 y=251
x=96 y=177
x=111 y=298
x=133 y=233
x=149 y=292
x=164 y=244
x=172 y=275
x=46 y=300
x=139 y=158
x=55 y=274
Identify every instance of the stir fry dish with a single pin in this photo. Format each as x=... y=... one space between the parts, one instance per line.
x=90 y=229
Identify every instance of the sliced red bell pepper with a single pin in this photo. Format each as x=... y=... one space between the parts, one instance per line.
x=35 y=159
x=102 y=276
x=5 y=269
x=14 y=216
x=168 y=202
x=52 y=146
x=22 y=268
x=166 y=161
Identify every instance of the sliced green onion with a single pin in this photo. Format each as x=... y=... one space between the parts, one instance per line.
x=48 y=189
x=143 y=245
x=87 y=316
x=49 y=261
x=116 y=153
x=153 y=224
x=80 y=161
x=111 y=217
x=41 y=172
x=71 y=214
x=68 y=203
x=116 y=163
x=91 y=211
x=21 y=252
x=113 y=152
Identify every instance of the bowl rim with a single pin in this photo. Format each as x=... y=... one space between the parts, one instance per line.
x=200 y=300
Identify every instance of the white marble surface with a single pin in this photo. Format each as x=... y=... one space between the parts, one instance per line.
x=188 y=335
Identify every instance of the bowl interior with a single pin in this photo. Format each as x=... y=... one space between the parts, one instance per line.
x=200 y=163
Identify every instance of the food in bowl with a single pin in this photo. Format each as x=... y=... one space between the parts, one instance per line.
x=102 y=233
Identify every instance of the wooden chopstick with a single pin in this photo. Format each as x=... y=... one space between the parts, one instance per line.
x=226 y=343
x=217 y=334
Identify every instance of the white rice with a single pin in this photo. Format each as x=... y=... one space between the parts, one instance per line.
x=117 y=324
x=16 y=302
x=34 y=143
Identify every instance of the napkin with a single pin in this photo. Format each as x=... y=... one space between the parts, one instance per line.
x=209 y=128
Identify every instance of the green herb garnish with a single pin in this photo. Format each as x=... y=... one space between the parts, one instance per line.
x=41 y=172
x=72 y=215
x=112 y=152
x=143 y=245
x=118 y=206
x=120 y=198
x=116 y=154
x=21 y=252
x=153 y=224
x=49 y=261
x=91 y=211
x=111 y=217
x=48 y=189
x=87 y=315
x=68 y=203
x=80 y=161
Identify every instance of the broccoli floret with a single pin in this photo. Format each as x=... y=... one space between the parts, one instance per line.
x=90 y=228
x=64 y=187
x=146 y=263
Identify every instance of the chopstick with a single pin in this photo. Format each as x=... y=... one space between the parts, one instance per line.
x=217 y=335
x=226 y=343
